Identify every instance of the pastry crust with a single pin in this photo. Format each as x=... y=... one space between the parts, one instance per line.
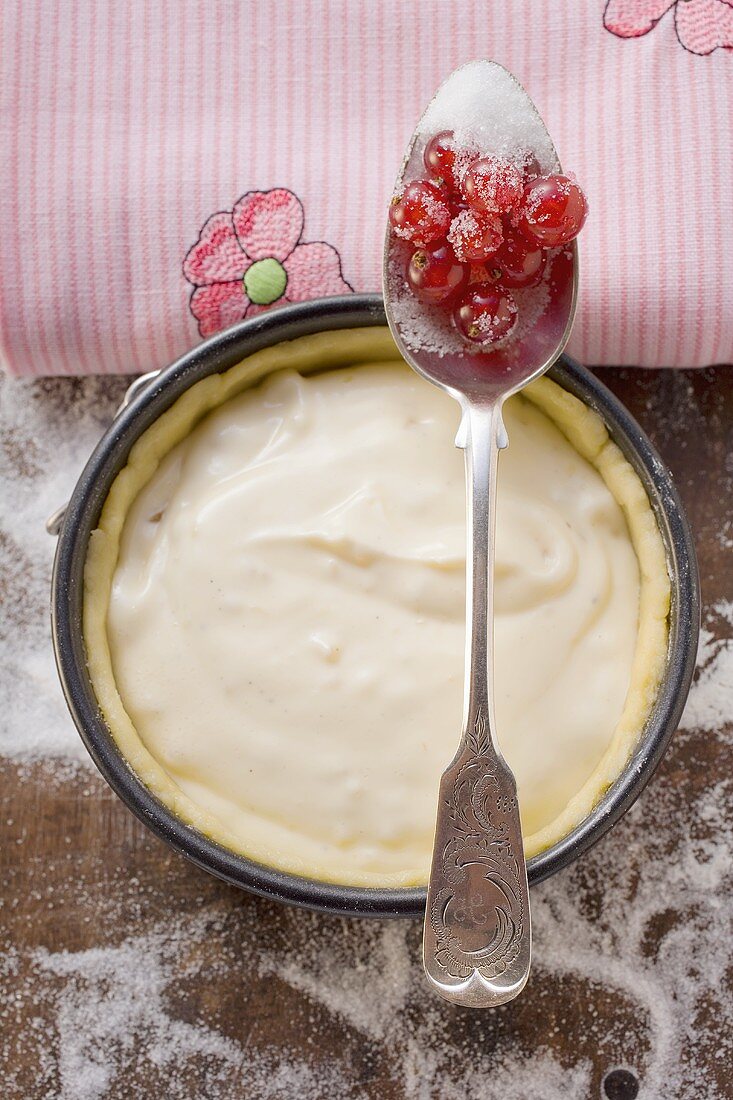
x=583 y=428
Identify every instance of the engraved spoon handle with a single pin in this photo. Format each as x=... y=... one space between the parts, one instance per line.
x=476 y=944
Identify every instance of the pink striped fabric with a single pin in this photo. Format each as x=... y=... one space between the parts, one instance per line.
x=126 y=126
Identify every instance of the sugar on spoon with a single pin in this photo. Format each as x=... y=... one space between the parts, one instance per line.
x=477 y=938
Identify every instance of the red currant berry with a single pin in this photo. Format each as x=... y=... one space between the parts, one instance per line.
x=440 y=156
x=435 y=275
x=480 y=273
x=444 y=158
x=491 y=184
x=517 y=264
x=445 y=192
x=485 y=314
x=553 y=211
x=475 y=236
x=420 y=213
x=457 y=206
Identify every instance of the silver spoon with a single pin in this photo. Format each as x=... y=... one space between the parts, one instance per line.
x=477 y=939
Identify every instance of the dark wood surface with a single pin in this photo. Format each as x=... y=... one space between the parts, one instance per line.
x=129 y=973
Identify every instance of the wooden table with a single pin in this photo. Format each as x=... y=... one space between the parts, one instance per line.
x=129 y=973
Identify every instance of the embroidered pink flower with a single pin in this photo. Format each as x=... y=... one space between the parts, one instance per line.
x=252 y=258
x=702 y=26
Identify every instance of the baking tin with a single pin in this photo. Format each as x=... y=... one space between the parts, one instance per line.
x=218 y=354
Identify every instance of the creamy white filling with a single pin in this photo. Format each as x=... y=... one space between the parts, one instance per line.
x=286 y=620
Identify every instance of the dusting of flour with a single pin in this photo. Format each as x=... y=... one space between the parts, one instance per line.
x=47 y=431
x=710 y=703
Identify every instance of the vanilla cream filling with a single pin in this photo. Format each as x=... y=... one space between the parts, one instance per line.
x=275 y=610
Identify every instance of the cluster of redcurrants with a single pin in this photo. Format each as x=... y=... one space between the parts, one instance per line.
x=482 y=227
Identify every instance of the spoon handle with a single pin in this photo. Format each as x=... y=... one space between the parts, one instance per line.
x=476 y=945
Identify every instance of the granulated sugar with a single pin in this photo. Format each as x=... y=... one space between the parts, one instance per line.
x=112 y=1011
x=489 y=111
x=47 y=433
x=113 y=1033
x=710 y=703
x=421 y=328
x=725 y=535
x=427 y=329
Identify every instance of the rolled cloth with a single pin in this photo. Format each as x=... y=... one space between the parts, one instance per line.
x=171 y=167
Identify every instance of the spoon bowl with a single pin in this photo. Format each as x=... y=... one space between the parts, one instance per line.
x=477 y=939
x=549 y=309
